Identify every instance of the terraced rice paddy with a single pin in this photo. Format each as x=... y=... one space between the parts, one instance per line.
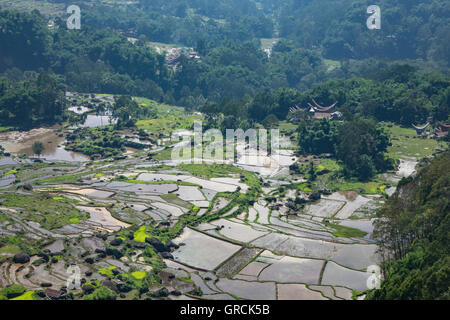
x=228 y=240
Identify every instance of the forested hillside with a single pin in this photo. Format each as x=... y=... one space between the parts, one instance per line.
x=227 y=36
x=409 y=29
x=396 y=93
x=414 y=238
x=352 y=149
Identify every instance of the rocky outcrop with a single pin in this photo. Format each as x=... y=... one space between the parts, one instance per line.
x=21 y=258
x=116 y=242
x=157 y=244
x=87 y=289
x=110 y=285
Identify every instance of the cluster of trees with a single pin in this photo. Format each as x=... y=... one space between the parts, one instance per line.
x=413 y=236
x=397 y=93
x=127 y=111
x=96 y=142
x=100 y=60
x=235 y=70
x=31 y=99
x=90 y=60
x=199 y=23
x=409 y=29
x=358 y=144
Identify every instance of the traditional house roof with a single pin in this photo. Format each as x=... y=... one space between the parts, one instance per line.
x=440 y=134
x=444 y=127
x=318 y=112
x=52 y=294
x=319 y=108
x=420 y=130
x=441 y=130
x=318 y=115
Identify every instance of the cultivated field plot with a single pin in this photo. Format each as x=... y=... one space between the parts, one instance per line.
x=214 y=228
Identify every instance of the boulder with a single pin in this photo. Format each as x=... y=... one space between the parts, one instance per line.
x=175 y=293
x=89 y=260
x=46 y=285
x=87 y=289
x=167 y=255
x=163 y=292
x=21 y=258
x=27 y=187
x=157 y=244
x=116 y=242
x=54 y=294
x=110 y=285
x=314 y=196
x=137 y=244
x=172 y=244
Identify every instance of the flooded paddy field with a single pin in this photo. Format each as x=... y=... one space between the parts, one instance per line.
x=198 y=232
x=21 y=142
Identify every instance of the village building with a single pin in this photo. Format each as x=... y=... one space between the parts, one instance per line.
x=421 y=130
x=317 y=111
x=320 y=112
x=51 y=294
x=441 y=130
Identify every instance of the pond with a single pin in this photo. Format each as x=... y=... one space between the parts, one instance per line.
x=79 y=110
x=21 y=142
x=93 y=121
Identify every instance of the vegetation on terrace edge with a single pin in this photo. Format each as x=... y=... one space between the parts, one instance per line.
x=414 y=239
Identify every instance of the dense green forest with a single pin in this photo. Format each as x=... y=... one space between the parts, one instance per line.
x=396 y=93
x=248 y=64
x=237 y=80
x=414 y=238
x=409 y=29
x=358 y=144
x=98 y=58
x=29 y=100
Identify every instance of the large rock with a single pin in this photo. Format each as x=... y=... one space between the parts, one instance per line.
x=44 y=256
x=87 y=289
x=46 y=284
x=27 y=187
x=167 y=255
x=89 y=260
x=116 y=242
x=140 y=245
x=314 y=196
x=114 y=252
x=21 y=258
x=163 y=292
x=110 y=285
x=172 y=244
x=157 y=244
